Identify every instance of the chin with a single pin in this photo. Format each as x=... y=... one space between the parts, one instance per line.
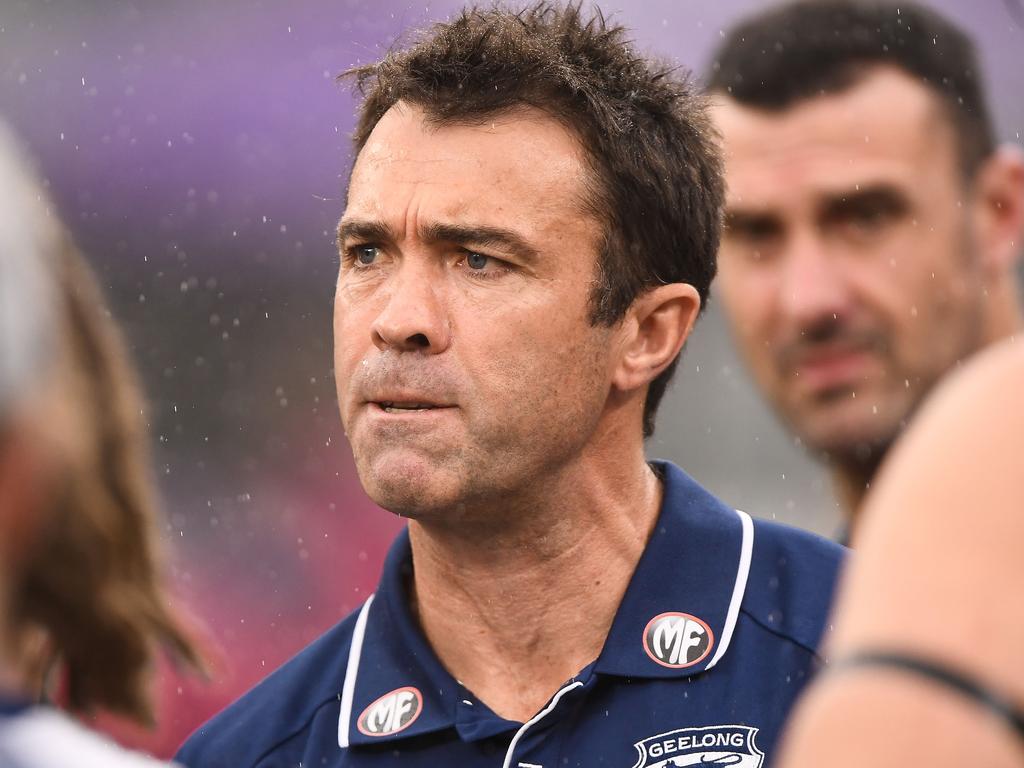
x=848 y=432
x=408 y=486
x=850 y=444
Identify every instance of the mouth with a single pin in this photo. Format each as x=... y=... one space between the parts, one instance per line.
x=405 y=407
x=389 y=406
x=828 y=368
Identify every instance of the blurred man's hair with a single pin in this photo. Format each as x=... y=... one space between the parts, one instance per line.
x=643 y=129
x=788 y=54
x=91 y=585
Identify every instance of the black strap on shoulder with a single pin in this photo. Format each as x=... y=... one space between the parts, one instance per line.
x=938 y=673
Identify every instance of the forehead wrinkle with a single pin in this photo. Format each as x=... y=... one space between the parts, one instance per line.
x=825 y=170
x=394 y=158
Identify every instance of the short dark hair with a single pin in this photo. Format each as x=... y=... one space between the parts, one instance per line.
x=808 y=48
x=643 y=126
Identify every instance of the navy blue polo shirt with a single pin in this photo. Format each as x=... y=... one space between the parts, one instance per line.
x=715 y=637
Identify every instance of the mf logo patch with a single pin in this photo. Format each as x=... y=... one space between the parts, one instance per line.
x=718 y=745
x=391 y=713
x=677 y=640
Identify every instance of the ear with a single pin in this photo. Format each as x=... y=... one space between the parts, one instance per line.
x=656 y=326
x=999 y=208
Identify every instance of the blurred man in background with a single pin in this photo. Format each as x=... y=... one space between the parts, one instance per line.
x=83 y=611
x=872 y=224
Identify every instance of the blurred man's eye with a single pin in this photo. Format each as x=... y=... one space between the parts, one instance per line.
x=870 y=216
x=753 y=237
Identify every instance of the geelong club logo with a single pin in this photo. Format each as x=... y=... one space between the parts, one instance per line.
x=677 y=640
x=391 y=713
x=716 y=745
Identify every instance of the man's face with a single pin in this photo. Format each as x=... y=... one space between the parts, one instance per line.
x=467 y=265
x=847 y=269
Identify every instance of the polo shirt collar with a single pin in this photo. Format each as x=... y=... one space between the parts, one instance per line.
x=395 y=660
x=688 y=582
x=677 y=616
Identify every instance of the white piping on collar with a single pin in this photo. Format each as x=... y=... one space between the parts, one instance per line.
x=536 y=719
x=739 y=587
x=348 y=690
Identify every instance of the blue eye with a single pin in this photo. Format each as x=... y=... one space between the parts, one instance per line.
x=365 y=254
x=476 y=260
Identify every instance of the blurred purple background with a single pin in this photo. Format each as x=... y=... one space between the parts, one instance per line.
x=199 y=151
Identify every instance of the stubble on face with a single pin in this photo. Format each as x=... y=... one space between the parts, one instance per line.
x=525 y=372
x=898 y=297
x=856 y=423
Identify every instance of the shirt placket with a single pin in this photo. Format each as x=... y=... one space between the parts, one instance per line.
x=524 y=751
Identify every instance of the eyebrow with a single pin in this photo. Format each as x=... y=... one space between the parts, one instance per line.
x=882 y=195
x=378 y=231
x=745 y=220
x=513 y=242
x=356 y=229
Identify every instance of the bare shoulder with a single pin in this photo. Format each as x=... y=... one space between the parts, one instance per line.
x=954 y=479
x=935 y=575
x=938 y=552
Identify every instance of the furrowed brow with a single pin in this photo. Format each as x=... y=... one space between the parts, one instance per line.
x=482 y=236
x=368 y=231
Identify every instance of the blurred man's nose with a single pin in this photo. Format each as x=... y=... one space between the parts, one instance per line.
x=414 y=316
x=813 y=285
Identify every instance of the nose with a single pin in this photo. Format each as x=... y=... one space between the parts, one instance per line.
x=813 y=288
x=414 y=317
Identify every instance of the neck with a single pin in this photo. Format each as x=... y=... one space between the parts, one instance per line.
x=851 y=481
x=517 y=607
x=851 y=484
